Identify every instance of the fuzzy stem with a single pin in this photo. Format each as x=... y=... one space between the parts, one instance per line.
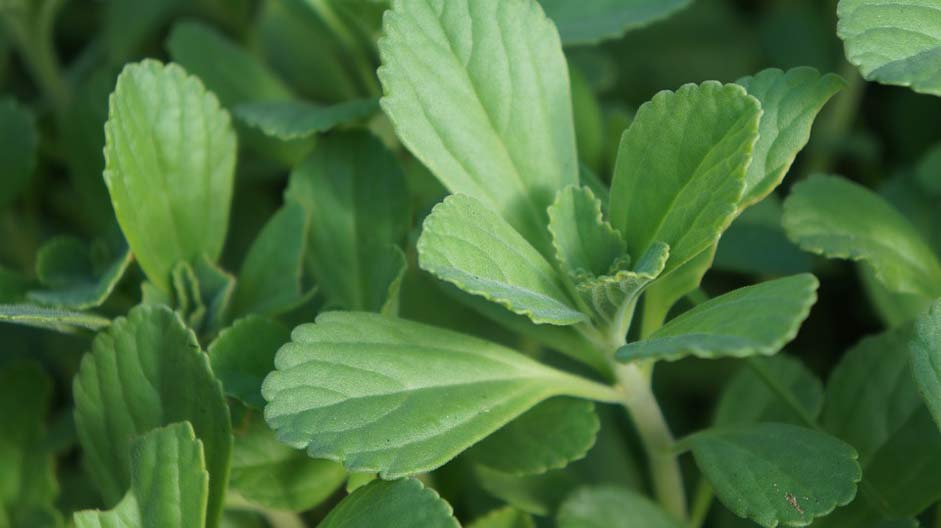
x=655 y=435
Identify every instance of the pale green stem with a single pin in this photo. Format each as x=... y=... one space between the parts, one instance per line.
x=657 y=440
x=702 y=501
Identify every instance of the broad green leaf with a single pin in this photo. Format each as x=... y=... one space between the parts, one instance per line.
x=78 y=276
x=894 y=42
x=64 y=321
x=402 y=503
x=479 y=92
x=465 y=243
x=148 y=371
x=593 y=22
x=612 y=507
x=548 y=436
x=926 y=359
x=584 y=242
x=750 y=397
x=226 y=68
x=504 y=518
x=834 y=217
x=28 y=484
x=288 y=120
x=355 y=195
x=243 y=354
x=754 y=320
x=168 y=483
x=681 y=167
x=397 y=397
x=18 y=146
x=269 y=282
x=756 y=244
x=789 y=102
x=272 y=475
x=169 y=166
x=776 y=473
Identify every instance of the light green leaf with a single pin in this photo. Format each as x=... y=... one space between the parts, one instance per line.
x=584 y=242
x=28 y=484
x=504 y=518
x=593 y=22
x=18 y=145
x=288 y=120
x=226 y=68
x=749 y=397
x=168 y=484
x=355 y=195
x=147 y=370
x=472 y=247
x=777 y=473
x=548 y=436
x=272 y=475
x=270 y=279
x=65 y=321
x=612 y=507
x=789 y=101
x=894 y=42
x=681 y=168
x=363 y=389
x=754 y=320
x=403 y=503
x=243 y=354
x=169 y=166
x=479 y=92
x=79 y=276
x=834 y=217
x=925 y=353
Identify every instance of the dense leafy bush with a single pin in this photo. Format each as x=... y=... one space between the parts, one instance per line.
x=341 y=263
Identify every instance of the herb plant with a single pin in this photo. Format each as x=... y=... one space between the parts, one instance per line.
x=432 y=263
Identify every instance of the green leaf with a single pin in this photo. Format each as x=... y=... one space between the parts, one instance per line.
x=754 y=320
x=669 y=288
x=548 y=436
x=169 y=166
x=28 y=484
x=926 y=359
x=289 y=120
x=396 y=504
x=894 y=42
x=212 y=57
x=272 y=475
x=789 y=101
x=756 y=244
x=584 y=242
x=504 y=518
x=64 y=321
x=465 y=243
x=612 y=507
x=681 y=168
x=78 y=276
x=270 y=279
x=20 y=141
x=397 y=397
x=355 y=195
x=777 y=473
x=749 y=397
x=201 y=295
x=168 y=484
x=148 y=371
x=589 y=122
x=479 y=92
x=834 y=217
x=593 y=22
x=243 y=354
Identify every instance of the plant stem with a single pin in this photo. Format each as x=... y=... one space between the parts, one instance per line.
x=655 y=435
x=702 y=501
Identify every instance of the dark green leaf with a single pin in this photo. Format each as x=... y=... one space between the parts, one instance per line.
x=590 y=23
x=926 y=359
x=403 y=503
x=243 y=354
x=288 y=120
x=18 y=145
x=612 y=507
x=749 y=398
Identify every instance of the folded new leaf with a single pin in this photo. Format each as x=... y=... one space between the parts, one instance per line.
x=168 y=484
x=754 y=320
x=396 y=397
x=465 y=243
x=832 y=216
